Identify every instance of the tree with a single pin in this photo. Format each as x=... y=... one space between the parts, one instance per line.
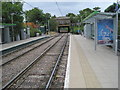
x=37 y=16
x=84 y=13
x=13 y=10
x=97 y=9
x=70 y=15
x=46 y=17
x=111 y=8
x=34 y=15
x=53 y=24
x=53 y=16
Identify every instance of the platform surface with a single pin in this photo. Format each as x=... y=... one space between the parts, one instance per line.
x=16 y=43
x=88 y=68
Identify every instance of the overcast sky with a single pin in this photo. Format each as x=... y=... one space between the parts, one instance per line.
x=67 y=7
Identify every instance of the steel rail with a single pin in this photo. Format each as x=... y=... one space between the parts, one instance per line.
x=20 y=74
x=25 y=46
x=27 y=51
x=21 y=48
x=55 y=67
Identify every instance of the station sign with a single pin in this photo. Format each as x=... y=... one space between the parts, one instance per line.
x=105 y=31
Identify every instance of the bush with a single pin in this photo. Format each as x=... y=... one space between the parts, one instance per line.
x=33 y=32
x=75 y=30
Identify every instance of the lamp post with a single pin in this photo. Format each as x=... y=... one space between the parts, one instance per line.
x=49 y=27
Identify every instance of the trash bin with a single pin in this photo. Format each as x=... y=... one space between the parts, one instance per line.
x=37 y=34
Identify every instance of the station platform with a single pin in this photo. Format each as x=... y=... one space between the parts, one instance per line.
x=88 y=68
x=16 y=44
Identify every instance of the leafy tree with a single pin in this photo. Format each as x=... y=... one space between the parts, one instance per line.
x=70 y=15
x=85 y=12
x=53 y=16
x=47 y=16
x=13 y=11
x=111 y=8
x=35 y=15
x=97 y=9
x=53 y=24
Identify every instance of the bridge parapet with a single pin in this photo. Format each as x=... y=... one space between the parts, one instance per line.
x=63 y=21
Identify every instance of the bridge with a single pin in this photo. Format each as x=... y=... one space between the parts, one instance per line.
x=63 y=22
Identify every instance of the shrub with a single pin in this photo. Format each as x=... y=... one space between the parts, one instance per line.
x=33 y=32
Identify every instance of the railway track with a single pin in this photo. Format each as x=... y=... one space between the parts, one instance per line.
x=19 y=53
x=12 y=68
x=43 y=67
x=6 y=53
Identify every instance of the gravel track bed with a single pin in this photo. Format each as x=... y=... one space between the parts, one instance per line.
x=59 y=79
x=12 y=55
x=14 y=67
x=39 y=74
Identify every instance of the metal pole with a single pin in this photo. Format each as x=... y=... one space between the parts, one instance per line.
x=12 y=28
x=95 y=32
x=49 y=27
x=116 y=34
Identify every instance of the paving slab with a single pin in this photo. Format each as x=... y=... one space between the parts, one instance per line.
x=88 y=68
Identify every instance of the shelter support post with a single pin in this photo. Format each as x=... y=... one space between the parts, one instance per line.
x=116 y=34
x=95 y=33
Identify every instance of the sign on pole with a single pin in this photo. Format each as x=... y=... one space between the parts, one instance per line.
x=105 y=31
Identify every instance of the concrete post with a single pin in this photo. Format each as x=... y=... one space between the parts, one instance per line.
x=7 y=35
x=25 y=35
x=17 y=37
x=28 y=32
x=22 y=34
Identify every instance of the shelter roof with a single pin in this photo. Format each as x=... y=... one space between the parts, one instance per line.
x=99 y=15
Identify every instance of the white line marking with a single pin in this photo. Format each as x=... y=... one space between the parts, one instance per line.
x=66 y=84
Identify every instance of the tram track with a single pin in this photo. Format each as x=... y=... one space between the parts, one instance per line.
x=14 y=67
x=62 y=43
x=13 y=56
x=7 y=53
